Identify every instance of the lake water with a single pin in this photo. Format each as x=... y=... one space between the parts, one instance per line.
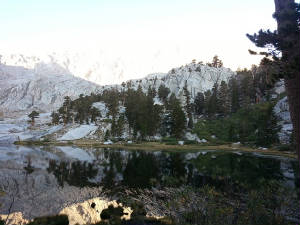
x=44 y=180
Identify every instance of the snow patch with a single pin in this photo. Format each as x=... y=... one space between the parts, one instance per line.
x=78 y=133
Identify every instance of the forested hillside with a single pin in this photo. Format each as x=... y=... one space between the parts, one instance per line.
x=236 y=109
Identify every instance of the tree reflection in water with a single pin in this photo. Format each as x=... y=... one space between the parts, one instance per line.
x=74 y=173
x=139 y=169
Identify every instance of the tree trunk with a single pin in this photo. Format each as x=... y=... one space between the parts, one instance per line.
x=292 y=82
x=292 y=88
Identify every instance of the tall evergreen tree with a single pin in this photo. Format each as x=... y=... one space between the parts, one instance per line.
x=234 y=95
x=188 y=105
x=178 y=120
x=55 y=117
x=163 y=92
x=213 y=101
x=207 y=96
x=120 y=125
x=94 y=114
x=283 y=53
x=247 y=93
x=199 y=103
x=223 y=99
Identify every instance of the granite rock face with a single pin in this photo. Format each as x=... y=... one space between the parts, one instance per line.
x=281 y=110
x=29 y=82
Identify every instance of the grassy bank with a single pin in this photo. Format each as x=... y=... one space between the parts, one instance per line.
x=155 y=146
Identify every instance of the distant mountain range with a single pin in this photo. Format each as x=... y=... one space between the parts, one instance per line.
x=41 y=83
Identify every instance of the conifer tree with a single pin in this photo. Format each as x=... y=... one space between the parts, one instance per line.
x=94 y=114
x=188 y=106
x=178 y=119
x=199 y=103
x=33 y=115
x=163 y=92
x=216 y=62
x=234 y=95
x=247 y=93
x=207 y=96
x=120 y=125
x=223 y=99
x=283 y=54
x=65 y=110
x=213 y=104
x=55 y=117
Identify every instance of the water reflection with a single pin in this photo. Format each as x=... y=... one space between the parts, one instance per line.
x=110 y=168
x=74 y=173
x=40 y=180
x=140 y=169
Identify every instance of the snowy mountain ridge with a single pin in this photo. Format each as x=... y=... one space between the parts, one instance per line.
x=28 y=83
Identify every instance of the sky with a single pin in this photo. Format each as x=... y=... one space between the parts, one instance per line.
x=157 y=34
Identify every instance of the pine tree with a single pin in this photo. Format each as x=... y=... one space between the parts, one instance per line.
x=163 y=92
x=284 y=54
x=152 y=115
x=65 y=110
x=223 y=99
x=212 y=101
x=113 y=130
x=178 y=120
x=107 y=135
x=207 y=96
x=151 y=92
x=130 y=105
x=188 y=106
x=33 y=115
x=94 y=114
x=199 y=103
x=247 y=93
x=55 y=117
x=216 y=62
x=120 y=125
x=234 y=95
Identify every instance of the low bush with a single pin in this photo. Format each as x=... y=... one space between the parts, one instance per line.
x=256 y=124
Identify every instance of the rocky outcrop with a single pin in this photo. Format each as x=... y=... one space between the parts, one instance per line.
x=28 y=83
x=281 y=109
x=26 y=89
x=15 y=218
x=88 y=212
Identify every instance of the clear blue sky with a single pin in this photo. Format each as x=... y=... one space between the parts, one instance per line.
x=198 y=28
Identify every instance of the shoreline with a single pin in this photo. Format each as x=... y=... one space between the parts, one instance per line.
x=156 y=146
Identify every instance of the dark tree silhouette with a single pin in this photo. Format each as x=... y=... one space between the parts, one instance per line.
x=33 y=115
x=283 y=53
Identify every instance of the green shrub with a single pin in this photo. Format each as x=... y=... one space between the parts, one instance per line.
x=172 y=143
x=168 y=139
x=190 y=142
x=46 y=140
x=256 y=124
x=283 y=148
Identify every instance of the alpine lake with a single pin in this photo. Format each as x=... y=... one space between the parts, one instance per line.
x=39 y=181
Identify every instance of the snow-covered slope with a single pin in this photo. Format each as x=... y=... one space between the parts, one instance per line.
x=28 y=83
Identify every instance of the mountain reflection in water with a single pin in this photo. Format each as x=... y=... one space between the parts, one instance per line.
x=140 y=169
x=44 y=180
